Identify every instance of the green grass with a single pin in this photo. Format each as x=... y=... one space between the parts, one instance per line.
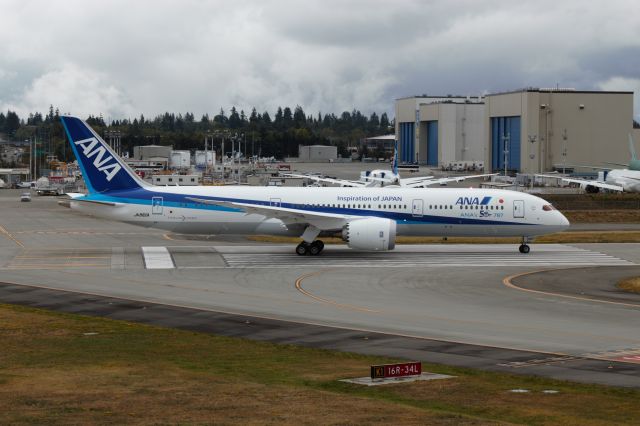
x=52 y=372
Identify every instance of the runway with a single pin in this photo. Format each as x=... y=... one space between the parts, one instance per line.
x=447 y=296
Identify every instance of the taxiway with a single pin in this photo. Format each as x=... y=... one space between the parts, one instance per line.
x=443 y=303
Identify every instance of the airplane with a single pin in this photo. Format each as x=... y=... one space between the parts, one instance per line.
x=382 y=178
x=368 y=219
x=619 y=180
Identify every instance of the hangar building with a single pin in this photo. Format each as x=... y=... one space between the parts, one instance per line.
x=439 y=130
x=541 y=129
x=545 y=129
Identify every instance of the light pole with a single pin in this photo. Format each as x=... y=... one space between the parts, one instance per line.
x=564 y=151
x=532 y=155
x=506 y=139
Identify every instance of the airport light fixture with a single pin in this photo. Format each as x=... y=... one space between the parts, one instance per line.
x=506 y=139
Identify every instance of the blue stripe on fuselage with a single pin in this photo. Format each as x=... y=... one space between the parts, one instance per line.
x=144 y=196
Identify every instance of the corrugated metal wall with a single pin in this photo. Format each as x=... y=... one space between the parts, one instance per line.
x=503 y=129
x=432 y=143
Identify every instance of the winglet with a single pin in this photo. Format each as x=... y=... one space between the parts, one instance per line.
x=632 y=149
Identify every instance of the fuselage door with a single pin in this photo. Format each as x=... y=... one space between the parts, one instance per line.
x=156 y=205
x=274 y=202
x=416 y=208
x=518 y=208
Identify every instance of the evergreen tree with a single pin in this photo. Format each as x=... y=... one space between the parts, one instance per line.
x=287 y=117
x=220 y=118
x=11 y=123
x=235 y=121
x=299 y=118
x=384 y=122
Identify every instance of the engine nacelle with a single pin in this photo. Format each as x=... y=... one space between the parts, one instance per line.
x=373 y=234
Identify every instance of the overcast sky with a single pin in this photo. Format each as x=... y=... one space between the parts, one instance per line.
x=123 y=58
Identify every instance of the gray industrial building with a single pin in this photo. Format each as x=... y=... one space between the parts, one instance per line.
x=317 y=153
x=529 y=130
x=150 y=152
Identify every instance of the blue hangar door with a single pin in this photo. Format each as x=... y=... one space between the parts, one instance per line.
x=505 y=131
x=432 y=143
x=407 y=142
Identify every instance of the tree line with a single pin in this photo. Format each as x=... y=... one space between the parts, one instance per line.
x=277 y=136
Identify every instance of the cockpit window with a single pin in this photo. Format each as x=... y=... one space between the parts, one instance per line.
x=548 y=207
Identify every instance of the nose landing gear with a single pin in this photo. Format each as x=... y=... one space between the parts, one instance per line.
x=524 y=247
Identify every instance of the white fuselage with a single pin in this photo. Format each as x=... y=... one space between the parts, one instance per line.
x=627 y=179
x=438 y=212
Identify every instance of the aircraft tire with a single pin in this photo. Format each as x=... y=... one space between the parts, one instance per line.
x=316 y=247
x=524 y=249
x=302 y=249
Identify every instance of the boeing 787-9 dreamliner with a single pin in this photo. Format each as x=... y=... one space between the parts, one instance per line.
x=367 y=218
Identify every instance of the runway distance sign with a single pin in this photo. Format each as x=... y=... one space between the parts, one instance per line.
x=396 y=370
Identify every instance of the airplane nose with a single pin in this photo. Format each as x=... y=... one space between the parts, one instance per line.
x=563 y=221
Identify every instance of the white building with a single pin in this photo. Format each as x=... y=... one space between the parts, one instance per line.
x=180 y=160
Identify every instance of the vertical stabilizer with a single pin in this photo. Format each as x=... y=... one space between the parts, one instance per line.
x=103 y=170
x=632 y=148
x=394 y=166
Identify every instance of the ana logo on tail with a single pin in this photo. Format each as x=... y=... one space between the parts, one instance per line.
x=92 y=148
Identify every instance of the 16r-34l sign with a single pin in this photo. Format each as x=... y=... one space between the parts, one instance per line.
x=396 y=370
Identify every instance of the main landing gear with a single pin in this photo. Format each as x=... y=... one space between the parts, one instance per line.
x=313 y=249
x=524 y=247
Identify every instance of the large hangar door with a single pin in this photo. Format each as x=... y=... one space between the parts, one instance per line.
x=505 y=131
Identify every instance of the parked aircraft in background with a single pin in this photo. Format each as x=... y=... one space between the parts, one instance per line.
x=382 y=178
x=369 y=219
x=620 y=180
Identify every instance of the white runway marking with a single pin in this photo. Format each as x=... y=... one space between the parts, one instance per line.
x=157 y=258
x=423 y=255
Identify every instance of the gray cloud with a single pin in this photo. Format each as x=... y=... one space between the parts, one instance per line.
x=123 y=58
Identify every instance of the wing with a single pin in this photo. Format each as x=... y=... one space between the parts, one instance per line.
x=342 y=182
x=416 y=182
x=321 y=220
x=584 y=182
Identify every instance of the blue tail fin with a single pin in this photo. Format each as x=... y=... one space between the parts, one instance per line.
x=394 y=166
x=101 y=167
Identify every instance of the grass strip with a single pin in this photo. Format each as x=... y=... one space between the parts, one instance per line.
x=58 y=368
x=631 y=285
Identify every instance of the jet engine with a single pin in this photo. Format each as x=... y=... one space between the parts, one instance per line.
x=372 y=234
